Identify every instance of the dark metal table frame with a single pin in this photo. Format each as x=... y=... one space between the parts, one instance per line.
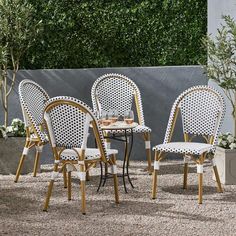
x=127 y=138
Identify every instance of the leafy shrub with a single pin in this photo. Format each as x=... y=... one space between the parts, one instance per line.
x=98 y=33
x=16 y=129
x=227 y=141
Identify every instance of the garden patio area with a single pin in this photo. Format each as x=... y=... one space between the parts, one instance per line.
x=118 y=117
x=174 y=212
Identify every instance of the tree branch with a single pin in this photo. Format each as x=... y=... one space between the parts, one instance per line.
x=15 y=69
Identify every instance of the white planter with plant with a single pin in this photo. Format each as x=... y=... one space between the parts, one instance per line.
x=225 y=158
x=221 y=69
x=12 y=140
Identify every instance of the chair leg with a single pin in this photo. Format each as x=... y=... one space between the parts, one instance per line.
x=50 y=186
x=114 y=171
x=83 y=199
x=24 y=154
x=49 y=193
x=69 y=185
x=64 y=177
x=82 y=187
x=219 y=187
x=185 y=174
x=147 y=140
x=19 y=168
x=200 y=182
x=154 y=180
x=116 y=188
x=36 y=162
x=200 y=177
x=154 y=184
x=87 y=172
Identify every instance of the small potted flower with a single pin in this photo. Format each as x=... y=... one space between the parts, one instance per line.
x=12 y=140
x=225 y=158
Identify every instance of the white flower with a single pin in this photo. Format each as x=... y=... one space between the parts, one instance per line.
x=224 y=143
x=15 y=129
x=232 y=146
x=230 y=138
x=9 y=129
x=16 y=120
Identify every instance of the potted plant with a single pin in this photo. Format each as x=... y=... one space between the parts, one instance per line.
x=12 y=139
x=18 y=30
x=221 y=69
x=225 y=158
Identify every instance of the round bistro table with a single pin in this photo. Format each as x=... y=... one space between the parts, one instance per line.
x=120 y=131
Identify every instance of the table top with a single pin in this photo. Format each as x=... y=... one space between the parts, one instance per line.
x=119 y=125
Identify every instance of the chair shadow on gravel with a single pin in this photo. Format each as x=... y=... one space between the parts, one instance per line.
x=170 y=169
x=13 y=204
x=191 y=190
x=189 y=216
x=109 y=207
x=175 y=169
x=225 y=197
x=134 y=208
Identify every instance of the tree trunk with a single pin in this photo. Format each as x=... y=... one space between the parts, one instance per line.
x=6 y=113
x=5 y=110
x=5 y=103
x=234 y=115
x=234 y=127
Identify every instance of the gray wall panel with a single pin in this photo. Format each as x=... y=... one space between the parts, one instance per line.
x=159 y=88
x=217 y=8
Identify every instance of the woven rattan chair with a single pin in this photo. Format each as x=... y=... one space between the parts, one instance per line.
x=32 y=100
x=115 y=91
x=68 y=121
x=202 y=110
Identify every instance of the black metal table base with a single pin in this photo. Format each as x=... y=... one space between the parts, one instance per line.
x=125 y=167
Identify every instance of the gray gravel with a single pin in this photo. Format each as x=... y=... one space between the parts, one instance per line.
x=174 y=212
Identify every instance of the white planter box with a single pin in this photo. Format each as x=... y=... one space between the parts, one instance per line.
x=10 y=153
x=226 y=165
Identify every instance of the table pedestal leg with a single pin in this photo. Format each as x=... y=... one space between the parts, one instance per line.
x=128 y=157
x=125 y=168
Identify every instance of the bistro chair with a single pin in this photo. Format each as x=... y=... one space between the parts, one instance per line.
x=116 y=91
x=202 y=109
x=32 y=100
x=68 y=120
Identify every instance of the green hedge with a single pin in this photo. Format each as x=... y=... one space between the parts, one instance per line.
x=98 y=33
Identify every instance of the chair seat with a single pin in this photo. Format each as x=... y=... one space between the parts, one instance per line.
x=90 y=153
x=138 y=129
x=185 y=147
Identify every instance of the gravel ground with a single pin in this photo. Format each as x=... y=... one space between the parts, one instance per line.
x=174 y=212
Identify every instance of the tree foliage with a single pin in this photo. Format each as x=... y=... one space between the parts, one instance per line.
x=18 y=30
x=111 y=33
x=221 y=67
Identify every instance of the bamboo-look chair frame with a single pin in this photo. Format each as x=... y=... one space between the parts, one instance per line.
x=34 y=130
x=142 y=129
x=188 y=137
x=81 y=165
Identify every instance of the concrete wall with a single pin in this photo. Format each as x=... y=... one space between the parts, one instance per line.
x=159 y=88
x=217 y=8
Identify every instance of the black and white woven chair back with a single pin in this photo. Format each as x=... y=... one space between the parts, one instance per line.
x=115 y=91
x=202 y=110
x=68 y=120
x=33 y=98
